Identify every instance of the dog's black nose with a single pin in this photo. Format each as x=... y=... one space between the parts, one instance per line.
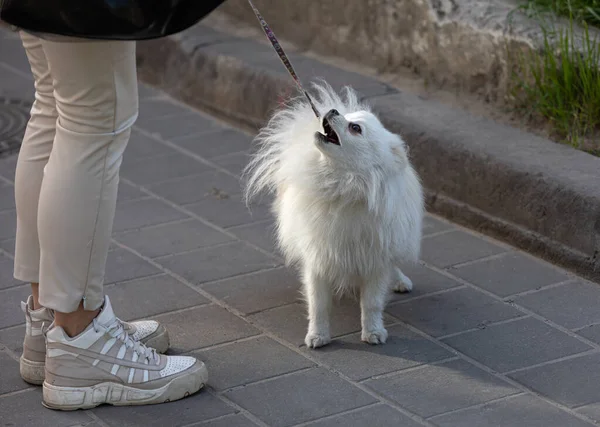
x=331 y=113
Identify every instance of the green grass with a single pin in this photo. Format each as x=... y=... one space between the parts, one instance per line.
x=560 y=84
x=581 y=10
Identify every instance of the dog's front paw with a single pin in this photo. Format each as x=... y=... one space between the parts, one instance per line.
x=315 y=340
x=378 y=336
x=403 y=283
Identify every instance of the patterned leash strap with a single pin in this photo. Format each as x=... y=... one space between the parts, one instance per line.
x=286 y=62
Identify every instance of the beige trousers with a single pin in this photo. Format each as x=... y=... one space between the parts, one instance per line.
x=67 y=175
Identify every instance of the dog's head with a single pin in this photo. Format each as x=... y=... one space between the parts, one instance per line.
x=357 y=140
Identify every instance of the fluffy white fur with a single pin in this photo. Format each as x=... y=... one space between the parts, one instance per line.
x=347 y=215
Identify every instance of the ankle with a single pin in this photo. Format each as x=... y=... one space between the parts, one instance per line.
x=76 y=322
x=35 y=292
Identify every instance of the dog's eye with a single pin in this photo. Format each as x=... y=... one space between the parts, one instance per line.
x=355 y=128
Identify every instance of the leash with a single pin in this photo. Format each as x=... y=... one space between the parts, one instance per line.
x=286 y=62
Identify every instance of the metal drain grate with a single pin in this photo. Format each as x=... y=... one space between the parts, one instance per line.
x=14 y=114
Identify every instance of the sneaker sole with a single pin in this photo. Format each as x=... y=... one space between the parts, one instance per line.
x=73 y=398
x=32 y=372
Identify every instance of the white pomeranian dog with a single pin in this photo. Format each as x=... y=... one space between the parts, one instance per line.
x=348 y=205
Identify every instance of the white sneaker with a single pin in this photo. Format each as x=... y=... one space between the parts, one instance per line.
x=149 y=332
x=104 y=364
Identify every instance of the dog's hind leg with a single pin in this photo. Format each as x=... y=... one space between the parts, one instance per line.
x=319 y=295
x=372 y=302
x=402 y=283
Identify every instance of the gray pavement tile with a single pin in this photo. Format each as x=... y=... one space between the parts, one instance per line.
x=289 y=322
x=14 y=54
x=220 y=262
x=6 y=273
x=157 y=169
x=10 y=378
x=12 y=338
x=141 y=146
x=8 y=246
x=572 y=305
x=261 y=234
x=146 y=91
x=433 y=225
x=150 y=296
x=376 y=416
x=216 y=144
x=572 y=382
x=592 y=333
x=232 y=421
x=15 y=85
x=230 y=212
x=207 y=186
x=510 y=274
x=7 y=197
x=8 y=224
x=172 y=238
x=143 y=213
x=190 y=124
x=204 y=327
x=425 y=281
x=436 y=389
x=26 y=410
x=516 y=345
x=249 y=361
x=10 y=305
x=358 y=361
x=127 y=193
x=152 y=109
x=452 y=312
x=456 y=247
x=8 y=165
x=518 y=411
x=193 y=409
x=258 y=291
x=234 y=163
x=284 y=401
x=122 y=265
x=592 y=411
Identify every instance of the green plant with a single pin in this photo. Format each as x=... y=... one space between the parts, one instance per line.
x=581 y=10
x=561 y=83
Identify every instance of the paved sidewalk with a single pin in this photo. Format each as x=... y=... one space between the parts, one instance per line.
x=490 y=336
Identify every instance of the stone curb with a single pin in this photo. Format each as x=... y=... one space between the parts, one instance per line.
x=537 y=195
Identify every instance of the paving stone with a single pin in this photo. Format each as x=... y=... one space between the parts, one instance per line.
x=10 y=305
x=510 y=274
x=150 y=296
x=217 y=262
x=207 y=186
x=261 y=234
x=425 y=281
x=204 y=327
x=358 y=361
x=10 y=379
x=8 y=227
x=193 y=409
x=457 y=247
x=122 y=265
x=14 y=54
x=142 y=213
x=572 y=305
x=141 y=146
x=452 y=385
x=12 y=338
x=284 y=401
x=572 y=382
x=8 y=246
x=8 y=165
x=152 y=109
x=509 y=346
x=191 y=124
x=6 y=273
x=592 y=411
x=230 y=212
x=250 y=361
x=146 y=91
x=172 y=238
x=26 y=410
x=452 y=312
x=232 y=421
x=234 y=163
x=518 y=411
x=7 y=197
x=376 y=416
x=433 y=225
x=215 y=144
x=161 y=168
x=128 y=192
x=16 y=85
x=289 y=322
x=258 y=291
x=592 y=333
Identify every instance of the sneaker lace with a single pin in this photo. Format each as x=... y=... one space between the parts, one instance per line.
x=116 y=330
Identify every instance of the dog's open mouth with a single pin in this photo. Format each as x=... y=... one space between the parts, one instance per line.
x=330 y=135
